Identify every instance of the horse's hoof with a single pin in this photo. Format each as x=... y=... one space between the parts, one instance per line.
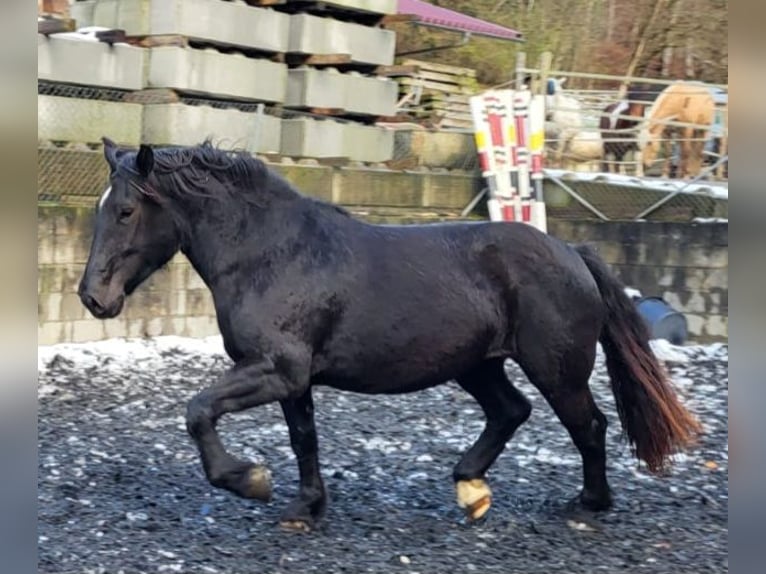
x=257 y=483
x=474 y=497
x=297 y=525
x=590 y=502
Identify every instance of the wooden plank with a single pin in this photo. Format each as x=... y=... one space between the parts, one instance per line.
x=397 y=18
x=159 y=41
x=317 y=59
x=398 y=118
x=152 y=96
x=55 y=26
x=444 y=68
x=397 y=70
x=265 y=2
x=448 y=78
x=112 y=36
x=436 y=86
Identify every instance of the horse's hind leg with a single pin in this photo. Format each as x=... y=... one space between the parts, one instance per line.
x=506 y=409
x=564 y=384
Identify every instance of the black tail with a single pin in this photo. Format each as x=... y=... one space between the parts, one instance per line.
x=656 y=423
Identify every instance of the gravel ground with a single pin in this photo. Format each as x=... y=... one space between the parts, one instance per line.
x=120 y=487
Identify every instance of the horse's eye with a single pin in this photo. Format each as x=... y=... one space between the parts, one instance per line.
x=125 y=213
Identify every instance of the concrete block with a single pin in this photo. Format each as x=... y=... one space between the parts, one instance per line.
x=353 y=92
x=365 y=6
x=315 y=35
x=178 y=302
x=451 y=150
x=115 y=328
x=87 y=330
x=368 y=143
x=379 y=188
x=63 y=252
x=53 y=332
x=86 y=121
x=307 y=137
x=210 y=72
x=201 y=326
x=213 y=21
x=199 y=303
x=181 y=124
x=48 y=307
x=45 y=249
x=67 y=58
x=313 y=180
x=71 y=308
x=82 y=12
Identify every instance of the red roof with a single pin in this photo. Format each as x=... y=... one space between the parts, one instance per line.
x=431 y=15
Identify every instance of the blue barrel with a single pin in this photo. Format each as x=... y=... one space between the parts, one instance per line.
x=664 y=322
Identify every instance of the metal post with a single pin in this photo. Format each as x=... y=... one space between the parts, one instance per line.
x=546 y=60
x=521 y=63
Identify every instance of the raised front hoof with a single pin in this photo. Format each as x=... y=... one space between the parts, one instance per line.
x=247 y=481
x=474 y=497
x=592 y=502
x=257 y=483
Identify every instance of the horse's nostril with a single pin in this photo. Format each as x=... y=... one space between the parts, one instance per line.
x=91 y=303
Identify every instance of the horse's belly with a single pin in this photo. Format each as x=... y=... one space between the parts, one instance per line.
x=387 y=367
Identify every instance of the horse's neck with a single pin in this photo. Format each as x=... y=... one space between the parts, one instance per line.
x=219 y=234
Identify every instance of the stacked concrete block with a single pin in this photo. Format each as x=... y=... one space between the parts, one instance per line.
x=86 y=121
x=314 y=138
x=308 y=137
x=70 y=58
x=364 y=44
x=368 y=143
x=211 y=21
x=350 y=92
x=210 y=72
x=180 y=124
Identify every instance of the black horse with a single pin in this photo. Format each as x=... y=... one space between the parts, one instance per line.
x=307 y=295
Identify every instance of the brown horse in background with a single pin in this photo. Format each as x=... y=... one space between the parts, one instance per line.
x=619 y=133
x=686 y=103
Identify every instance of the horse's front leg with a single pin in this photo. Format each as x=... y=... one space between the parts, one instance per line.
x=248 y=384
x=311 y=500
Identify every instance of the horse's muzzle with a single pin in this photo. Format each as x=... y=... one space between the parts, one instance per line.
x=99 y=308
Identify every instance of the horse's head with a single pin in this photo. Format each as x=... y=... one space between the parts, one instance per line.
x=648 y=145
x=133 y=236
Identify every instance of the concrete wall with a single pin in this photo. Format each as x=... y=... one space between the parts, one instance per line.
x=687 y=264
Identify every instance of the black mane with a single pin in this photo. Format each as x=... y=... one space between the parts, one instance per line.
x=187 y=171
x=207 y=172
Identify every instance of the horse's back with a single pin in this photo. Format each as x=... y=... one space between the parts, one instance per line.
x=688 y=102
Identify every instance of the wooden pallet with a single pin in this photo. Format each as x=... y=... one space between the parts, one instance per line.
x=50 y=26
x=328 y=9
x=442 y=68
x=181 y=41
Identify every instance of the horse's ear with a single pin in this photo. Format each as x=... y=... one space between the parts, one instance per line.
x=110 y=152
x=145 y=160
x=562 y=81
